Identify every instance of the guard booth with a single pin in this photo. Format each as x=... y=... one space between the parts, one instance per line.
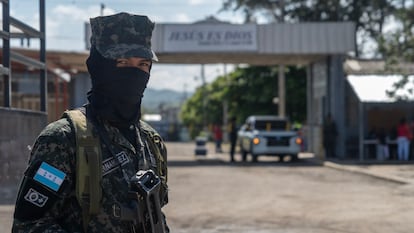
x=370 y=110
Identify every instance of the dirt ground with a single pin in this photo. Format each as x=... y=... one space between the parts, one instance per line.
x=209 y=194
x=212 y=195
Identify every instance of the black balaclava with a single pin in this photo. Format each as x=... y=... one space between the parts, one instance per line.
x=116 y=92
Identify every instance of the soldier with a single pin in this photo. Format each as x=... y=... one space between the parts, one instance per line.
x=99 y=168
x=330 y=134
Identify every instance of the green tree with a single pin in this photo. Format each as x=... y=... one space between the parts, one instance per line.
x=397 y=47
x=397 y=44
x=247 y=91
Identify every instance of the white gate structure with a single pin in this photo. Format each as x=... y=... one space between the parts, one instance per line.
x=321 y=47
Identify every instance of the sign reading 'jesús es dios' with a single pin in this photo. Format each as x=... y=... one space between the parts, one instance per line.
x=211 y=38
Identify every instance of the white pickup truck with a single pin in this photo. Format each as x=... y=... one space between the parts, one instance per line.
x=268 y=135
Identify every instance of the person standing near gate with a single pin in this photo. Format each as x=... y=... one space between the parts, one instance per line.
x=404 y=137
x=330 y=134
x=218 y=137
x=383 y=152
x=233 y=137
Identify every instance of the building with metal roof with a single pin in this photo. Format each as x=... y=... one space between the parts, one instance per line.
x=370 y=108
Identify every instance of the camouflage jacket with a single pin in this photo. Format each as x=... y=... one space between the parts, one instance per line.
x=59 y=211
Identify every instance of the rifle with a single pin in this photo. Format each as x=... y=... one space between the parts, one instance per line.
x=145 y=187
x=145 y=207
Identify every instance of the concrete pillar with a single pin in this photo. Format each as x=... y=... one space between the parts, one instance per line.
x=282 y=91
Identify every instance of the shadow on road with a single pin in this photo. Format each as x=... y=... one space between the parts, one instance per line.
x=219 y=162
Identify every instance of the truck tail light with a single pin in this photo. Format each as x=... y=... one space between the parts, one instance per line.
x=256 y=141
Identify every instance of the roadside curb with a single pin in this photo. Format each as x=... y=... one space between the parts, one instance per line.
x=354 y=169
x=217 y=158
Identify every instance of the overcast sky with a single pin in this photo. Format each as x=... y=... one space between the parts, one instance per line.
x=65 y=29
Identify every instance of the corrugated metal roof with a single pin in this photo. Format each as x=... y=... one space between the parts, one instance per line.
x=306 y=38
x=373 y=88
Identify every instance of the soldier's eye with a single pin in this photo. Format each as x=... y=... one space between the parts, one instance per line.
x=122 y=62
x=145 y=64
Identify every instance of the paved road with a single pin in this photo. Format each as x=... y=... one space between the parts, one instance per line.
x=208 y=194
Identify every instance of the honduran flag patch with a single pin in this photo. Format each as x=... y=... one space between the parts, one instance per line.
x=49 y=176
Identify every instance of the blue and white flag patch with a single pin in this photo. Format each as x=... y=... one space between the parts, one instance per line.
x=49 y=176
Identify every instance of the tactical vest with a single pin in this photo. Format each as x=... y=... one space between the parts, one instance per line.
x=89 y=162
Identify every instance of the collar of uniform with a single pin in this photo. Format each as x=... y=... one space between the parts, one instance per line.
x=118 y=138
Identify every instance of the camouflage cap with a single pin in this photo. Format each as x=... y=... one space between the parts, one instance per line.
x=123 y=35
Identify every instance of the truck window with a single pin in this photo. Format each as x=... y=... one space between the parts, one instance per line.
x=271 y=125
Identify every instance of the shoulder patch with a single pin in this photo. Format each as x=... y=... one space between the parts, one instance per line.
x=49 y=176
x=36 y=198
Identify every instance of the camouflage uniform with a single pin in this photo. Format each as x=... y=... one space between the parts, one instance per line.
x=56 y=146
x=50 y=205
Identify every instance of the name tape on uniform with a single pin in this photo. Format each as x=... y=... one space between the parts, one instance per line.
x=49 y=176
x=111 y=164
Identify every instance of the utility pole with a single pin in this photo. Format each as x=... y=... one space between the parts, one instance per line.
x=226 y=106
x=102 y=8
x=281 y=69
x=203 y=80
x=282 y=91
